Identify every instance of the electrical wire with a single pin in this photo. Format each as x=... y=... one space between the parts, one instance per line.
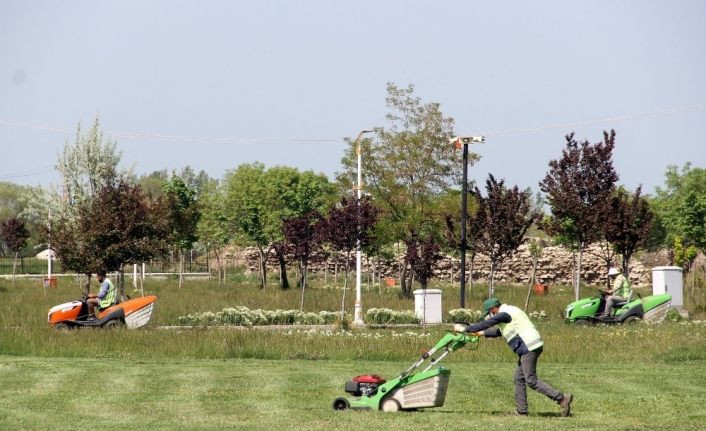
x=689 y=108
x=27 y=173
x=210 y=140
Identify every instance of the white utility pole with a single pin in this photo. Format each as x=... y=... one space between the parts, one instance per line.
x=358 y=314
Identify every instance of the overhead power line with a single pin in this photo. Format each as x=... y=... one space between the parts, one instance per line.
x=690 y=108
x=245 y=141
x=27 y=173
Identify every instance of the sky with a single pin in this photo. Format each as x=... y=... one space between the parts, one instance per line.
x=216 y=84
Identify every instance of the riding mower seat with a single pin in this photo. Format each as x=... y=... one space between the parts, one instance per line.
x=619 y=304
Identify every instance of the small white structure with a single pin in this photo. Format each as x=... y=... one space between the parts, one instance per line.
x=46 y=254
x=669 y=279
x=427 y=305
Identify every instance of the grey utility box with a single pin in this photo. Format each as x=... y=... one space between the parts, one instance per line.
x=427 y=305
x=669 y=279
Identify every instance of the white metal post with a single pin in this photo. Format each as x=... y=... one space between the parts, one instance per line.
x=49 y=253
x=358 y=313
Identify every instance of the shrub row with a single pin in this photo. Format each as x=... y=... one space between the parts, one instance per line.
x=382 y=316
x=243 y=316
x=464 y=315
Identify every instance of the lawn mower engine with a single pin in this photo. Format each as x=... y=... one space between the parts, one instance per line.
x=365 y=385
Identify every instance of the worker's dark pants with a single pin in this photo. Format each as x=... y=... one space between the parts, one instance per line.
x=526 y=375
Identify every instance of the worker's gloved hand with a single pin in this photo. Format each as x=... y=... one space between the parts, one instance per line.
x=479 y=334
x=459 y=327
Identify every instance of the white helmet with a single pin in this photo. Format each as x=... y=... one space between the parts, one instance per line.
x=613 y=271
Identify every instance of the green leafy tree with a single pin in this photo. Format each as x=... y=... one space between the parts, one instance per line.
x=182 y=213
x=11 y=199
x=153 y=184
x=406 y=166
x=86 y=165
x=681 y=206
x=258 y=200
x=213 y=228
x=578 y=188
x=15 y=234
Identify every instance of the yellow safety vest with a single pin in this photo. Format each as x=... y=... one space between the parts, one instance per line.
x=519 y=330
x=621 y=286
x=109 y=298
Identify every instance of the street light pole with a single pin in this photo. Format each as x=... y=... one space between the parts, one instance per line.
x=458 y=142
x=464 y=215
x=358 y=312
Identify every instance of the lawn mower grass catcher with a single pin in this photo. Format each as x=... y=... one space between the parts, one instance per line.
x=412 y=389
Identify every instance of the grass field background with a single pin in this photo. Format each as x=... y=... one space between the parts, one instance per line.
x=624 y=378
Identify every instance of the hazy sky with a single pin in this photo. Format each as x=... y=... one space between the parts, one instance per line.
x=265 y=75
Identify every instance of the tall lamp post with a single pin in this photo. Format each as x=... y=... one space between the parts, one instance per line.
x=358 y=313
x=463 y=141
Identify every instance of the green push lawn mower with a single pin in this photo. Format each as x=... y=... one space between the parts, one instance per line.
x=412 y=389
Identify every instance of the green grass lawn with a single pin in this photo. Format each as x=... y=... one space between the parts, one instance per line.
x=624 y=378
x=108 y=393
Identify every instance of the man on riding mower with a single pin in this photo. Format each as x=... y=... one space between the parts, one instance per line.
x=618 y=293
x=106 y=295
x=524 y=339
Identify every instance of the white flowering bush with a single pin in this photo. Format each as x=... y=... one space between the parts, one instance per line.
x=243 y=316
x=538 y=315
x=469 y=316
x=381 y=316
x=464 y=315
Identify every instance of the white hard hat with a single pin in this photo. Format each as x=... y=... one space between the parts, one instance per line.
x=613 y=271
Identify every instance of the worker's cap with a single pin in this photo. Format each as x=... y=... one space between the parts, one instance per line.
x=613 y=271
x=488 y=304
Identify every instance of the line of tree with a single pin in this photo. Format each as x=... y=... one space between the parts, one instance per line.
x=104 y=217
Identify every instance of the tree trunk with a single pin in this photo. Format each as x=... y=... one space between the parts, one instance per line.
x=302 y=281
x=626 y=266
x=181 y=268
x=335 y=272
x=263 y=267
x=87 y=286
x=345 y=280
x=531 y=285
x=14 y=266
x=121 y=283
x=218 y=265
x=283 y=281
x=345 y=285
x=470 y=277
x=403 y=282
x=577 y=287
x=491 y=286
x=208 y=263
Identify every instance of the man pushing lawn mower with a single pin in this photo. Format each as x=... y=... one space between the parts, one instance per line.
x=524 y=339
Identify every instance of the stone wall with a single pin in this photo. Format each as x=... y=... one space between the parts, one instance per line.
x=554 y=266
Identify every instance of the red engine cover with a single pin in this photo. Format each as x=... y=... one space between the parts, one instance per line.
x=369 y=378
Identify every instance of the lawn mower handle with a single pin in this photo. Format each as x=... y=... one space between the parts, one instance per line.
x=448 y=343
